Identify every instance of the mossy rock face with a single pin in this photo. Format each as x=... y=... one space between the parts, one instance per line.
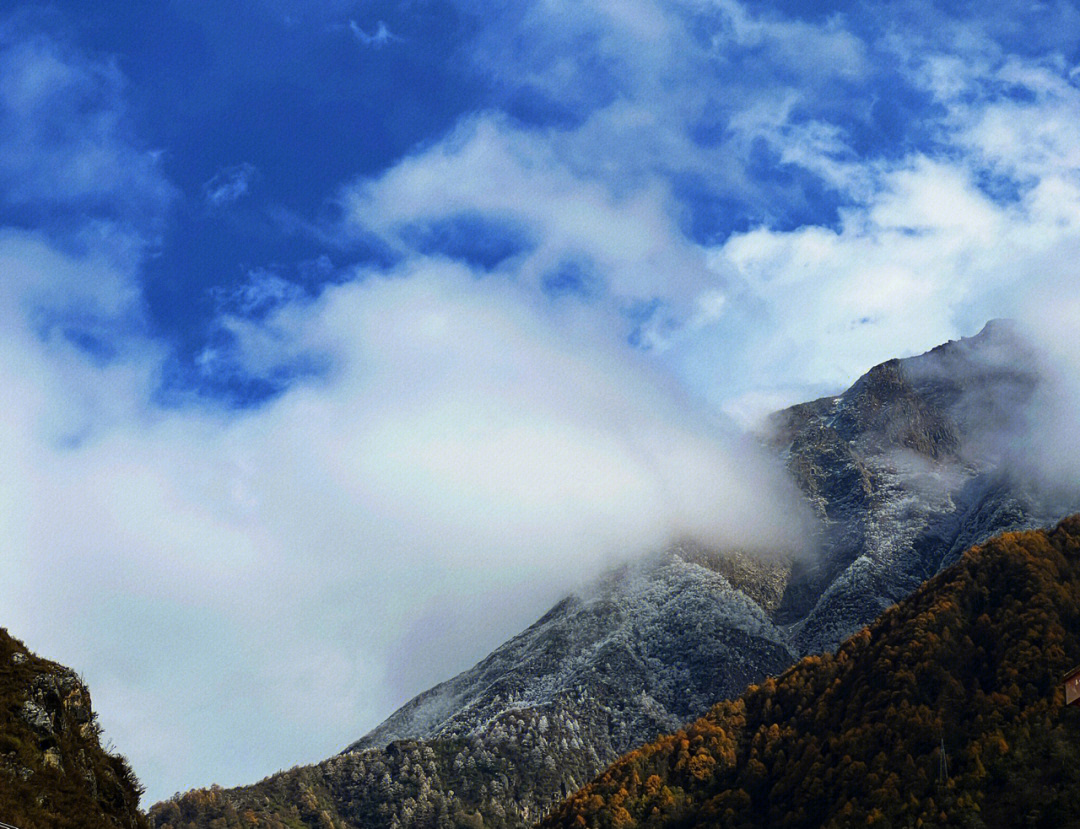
x=948 y=711
x=54 y=773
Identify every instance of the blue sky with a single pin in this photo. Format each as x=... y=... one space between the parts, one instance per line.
x=336 y=335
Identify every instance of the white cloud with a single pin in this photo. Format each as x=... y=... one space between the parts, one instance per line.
x=824 y=49
x=262 y=291
x=490 y=167
x=469 y=442
x=925 y=255
x=891 y=281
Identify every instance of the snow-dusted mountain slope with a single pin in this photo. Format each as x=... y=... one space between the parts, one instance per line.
x=648 y=647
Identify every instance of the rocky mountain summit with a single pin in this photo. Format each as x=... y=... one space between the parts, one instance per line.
x=54 y=773
x=904 y=471
x=907 y=469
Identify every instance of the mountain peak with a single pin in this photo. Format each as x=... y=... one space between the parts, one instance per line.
x=997 y=327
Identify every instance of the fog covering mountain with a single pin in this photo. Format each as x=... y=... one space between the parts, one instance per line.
x=905 y=470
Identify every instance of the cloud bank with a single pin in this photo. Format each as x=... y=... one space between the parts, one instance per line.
x=462 y=445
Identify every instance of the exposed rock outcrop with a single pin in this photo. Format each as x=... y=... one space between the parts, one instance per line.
x=54 y=773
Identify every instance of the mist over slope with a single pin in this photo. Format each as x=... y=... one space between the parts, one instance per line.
x=904 y=471
x=464 y=446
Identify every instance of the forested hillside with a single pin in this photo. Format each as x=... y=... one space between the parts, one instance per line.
x=948 y=710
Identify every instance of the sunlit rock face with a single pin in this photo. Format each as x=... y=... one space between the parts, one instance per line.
x=904 y=470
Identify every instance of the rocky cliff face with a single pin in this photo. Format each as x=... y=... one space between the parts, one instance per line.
x=905 y=470
x=53 y=772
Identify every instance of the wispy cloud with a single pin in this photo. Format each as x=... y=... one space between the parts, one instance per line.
x=377 y=39
x=66 y=143
x=491 y=167
x=229 y=184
